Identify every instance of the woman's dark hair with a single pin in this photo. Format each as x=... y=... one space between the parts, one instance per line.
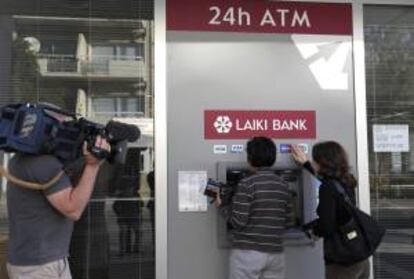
x=261 y=152
x=333 y=162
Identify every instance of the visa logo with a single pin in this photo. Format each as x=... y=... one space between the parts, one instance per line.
x=237 y=148
x=220 y=149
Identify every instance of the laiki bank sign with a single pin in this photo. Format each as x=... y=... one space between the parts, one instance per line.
x=244 y=124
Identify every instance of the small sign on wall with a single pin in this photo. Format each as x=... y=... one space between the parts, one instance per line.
x=391 y=138
x=220 y=149
x=191 y=186
x=237 y=148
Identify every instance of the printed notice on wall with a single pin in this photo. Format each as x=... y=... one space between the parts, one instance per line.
x=391 y=138
x=191 y=186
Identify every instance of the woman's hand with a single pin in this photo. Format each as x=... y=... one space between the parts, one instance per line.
x=298 y=154
x=312 y=236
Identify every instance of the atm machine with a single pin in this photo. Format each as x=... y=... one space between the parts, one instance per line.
x=227 y=83
x=302 y=185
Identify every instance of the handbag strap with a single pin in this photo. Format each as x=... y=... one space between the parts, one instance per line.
x=344 y=194
x=353 y=211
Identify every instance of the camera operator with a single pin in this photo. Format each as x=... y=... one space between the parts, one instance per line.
x=41 y=221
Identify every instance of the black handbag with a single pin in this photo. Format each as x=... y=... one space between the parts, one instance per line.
x=357 y=239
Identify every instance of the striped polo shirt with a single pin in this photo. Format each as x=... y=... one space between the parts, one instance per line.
x=260 y=212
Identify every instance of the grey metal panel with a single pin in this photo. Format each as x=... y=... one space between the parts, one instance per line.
x=160 y=141
x=361 y=111
x=244 y=72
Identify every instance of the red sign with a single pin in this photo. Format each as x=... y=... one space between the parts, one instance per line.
x=241 y=124
x=260 y=16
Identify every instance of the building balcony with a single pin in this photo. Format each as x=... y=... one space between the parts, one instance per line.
x=58 y=65
x=71 y=67
x=114 y=68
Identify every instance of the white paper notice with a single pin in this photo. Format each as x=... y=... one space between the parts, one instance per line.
x=391 y=138
x=191 y=186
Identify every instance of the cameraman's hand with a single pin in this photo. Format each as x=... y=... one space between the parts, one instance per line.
x=90 y=159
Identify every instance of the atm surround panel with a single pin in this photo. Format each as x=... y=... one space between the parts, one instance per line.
x=231 y=172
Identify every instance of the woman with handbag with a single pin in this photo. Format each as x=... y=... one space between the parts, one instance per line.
x=330 y=165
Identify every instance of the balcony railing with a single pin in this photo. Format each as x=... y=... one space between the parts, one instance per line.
x=126 y=66
x=58 y=64
x=67 y=65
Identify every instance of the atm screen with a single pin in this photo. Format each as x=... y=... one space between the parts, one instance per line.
x=234 y=176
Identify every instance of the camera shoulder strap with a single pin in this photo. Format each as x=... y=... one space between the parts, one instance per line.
x=28 y=184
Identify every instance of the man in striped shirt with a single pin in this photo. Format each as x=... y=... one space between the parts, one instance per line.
x=259 y=216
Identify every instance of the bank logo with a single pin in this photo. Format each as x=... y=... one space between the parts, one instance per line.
x=223 y=124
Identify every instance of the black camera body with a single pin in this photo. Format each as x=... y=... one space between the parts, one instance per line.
x=117 y=135
x=35 y=129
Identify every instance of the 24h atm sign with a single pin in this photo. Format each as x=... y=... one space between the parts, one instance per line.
x=259 y=16
x=223 y=124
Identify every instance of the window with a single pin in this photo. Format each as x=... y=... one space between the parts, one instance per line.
x=58 y=47
x=389 y=48
x=118 y=51
x=118 y=106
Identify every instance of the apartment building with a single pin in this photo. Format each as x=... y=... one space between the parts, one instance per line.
x=101 y=69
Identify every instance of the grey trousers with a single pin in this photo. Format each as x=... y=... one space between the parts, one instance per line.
x=53 y=270
x=249 y=264
x=356 y=271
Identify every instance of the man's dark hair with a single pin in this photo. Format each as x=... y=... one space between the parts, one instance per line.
x=261 y=152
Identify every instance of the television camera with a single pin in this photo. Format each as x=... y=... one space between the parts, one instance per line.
x=43 y=129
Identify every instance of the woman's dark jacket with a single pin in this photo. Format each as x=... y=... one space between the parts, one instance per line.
x=331 y=208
